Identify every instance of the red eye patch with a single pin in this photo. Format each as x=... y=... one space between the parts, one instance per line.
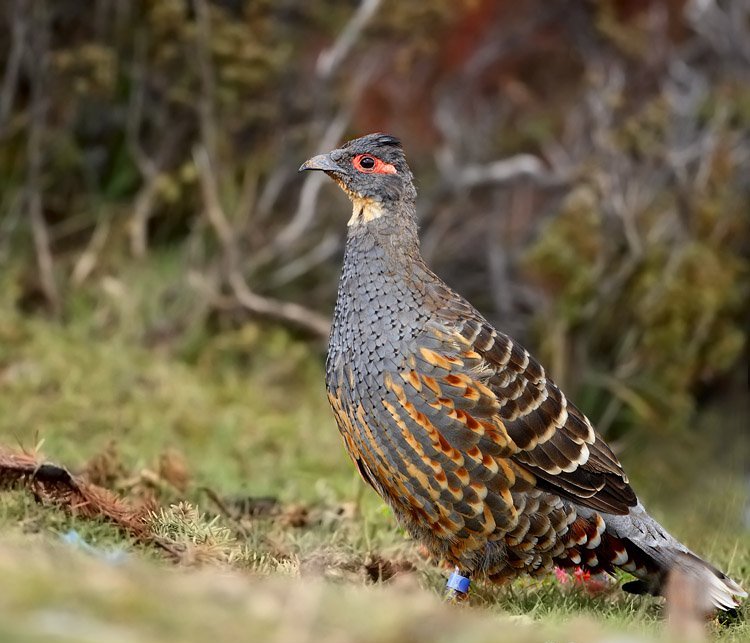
x=370 y=164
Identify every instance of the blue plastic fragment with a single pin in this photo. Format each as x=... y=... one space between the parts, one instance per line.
x=458 y=583
x=114 y=556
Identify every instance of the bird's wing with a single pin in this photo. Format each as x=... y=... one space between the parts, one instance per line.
x=494 y=386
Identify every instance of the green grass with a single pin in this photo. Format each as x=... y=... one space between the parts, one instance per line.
x=244 y=407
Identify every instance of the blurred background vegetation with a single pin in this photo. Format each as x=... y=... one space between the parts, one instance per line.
x=583 y=170
x=167 y=280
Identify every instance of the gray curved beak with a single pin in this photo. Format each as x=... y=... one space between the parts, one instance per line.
x=321 y=162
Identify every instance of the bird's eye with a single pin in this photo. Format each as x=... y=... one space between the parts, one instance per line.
x=367 y=162
x=372 y=165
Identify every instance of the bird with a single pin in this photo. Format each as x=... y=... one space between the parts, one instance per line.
x=461 y=431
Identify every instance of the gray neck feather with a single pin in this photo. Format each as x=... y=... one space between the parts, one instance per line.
x=391 y=240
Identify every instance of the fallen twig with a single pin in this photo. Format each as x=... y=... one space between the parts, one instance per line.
x=54 y=485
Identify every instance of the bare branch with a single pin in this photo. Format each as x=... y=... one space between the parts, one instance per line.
x=143 y=207
x=723 y=26
x=306 y=262
x=88 y=259
x=42 y=247
x=212 y=205
x=205 y=161
x=12 y=204
x=208 y=82
x=37 y=64
x=145 y=164
x=150 y=166
x=305 y=213
x=506 y=171
x=257 y=304
x=145 y=199
x=283 y=311
x=272 y=190
x=330 y=59
x=15 y=59
x=313 y=182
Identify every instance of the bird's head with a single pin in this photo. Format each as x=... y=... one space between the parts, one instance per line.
x=372 y=171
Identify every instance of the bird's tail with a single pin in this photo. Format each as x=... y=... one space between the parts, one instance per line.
x=642 y=547
x=712 y=588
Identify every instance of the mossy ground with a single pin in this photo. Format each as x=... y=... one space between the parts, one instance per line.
x=241 y=414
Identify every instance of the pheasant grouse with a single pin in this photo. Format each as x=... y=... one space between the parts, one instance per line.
x=481 y=456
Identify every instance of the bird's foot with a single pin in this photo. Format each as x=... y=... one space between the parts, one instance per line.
x=457 y=587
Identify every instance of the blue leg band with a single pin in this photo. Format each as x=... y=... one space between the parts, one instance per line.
x=458 y=583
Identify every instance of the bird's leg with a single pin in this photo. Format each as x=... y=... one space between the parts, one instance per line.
x=457 y=587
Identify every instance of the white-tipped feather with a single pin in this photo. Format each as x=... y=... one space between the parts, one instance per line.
x=620 y=558
x=725 y=592
x=716 y=590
